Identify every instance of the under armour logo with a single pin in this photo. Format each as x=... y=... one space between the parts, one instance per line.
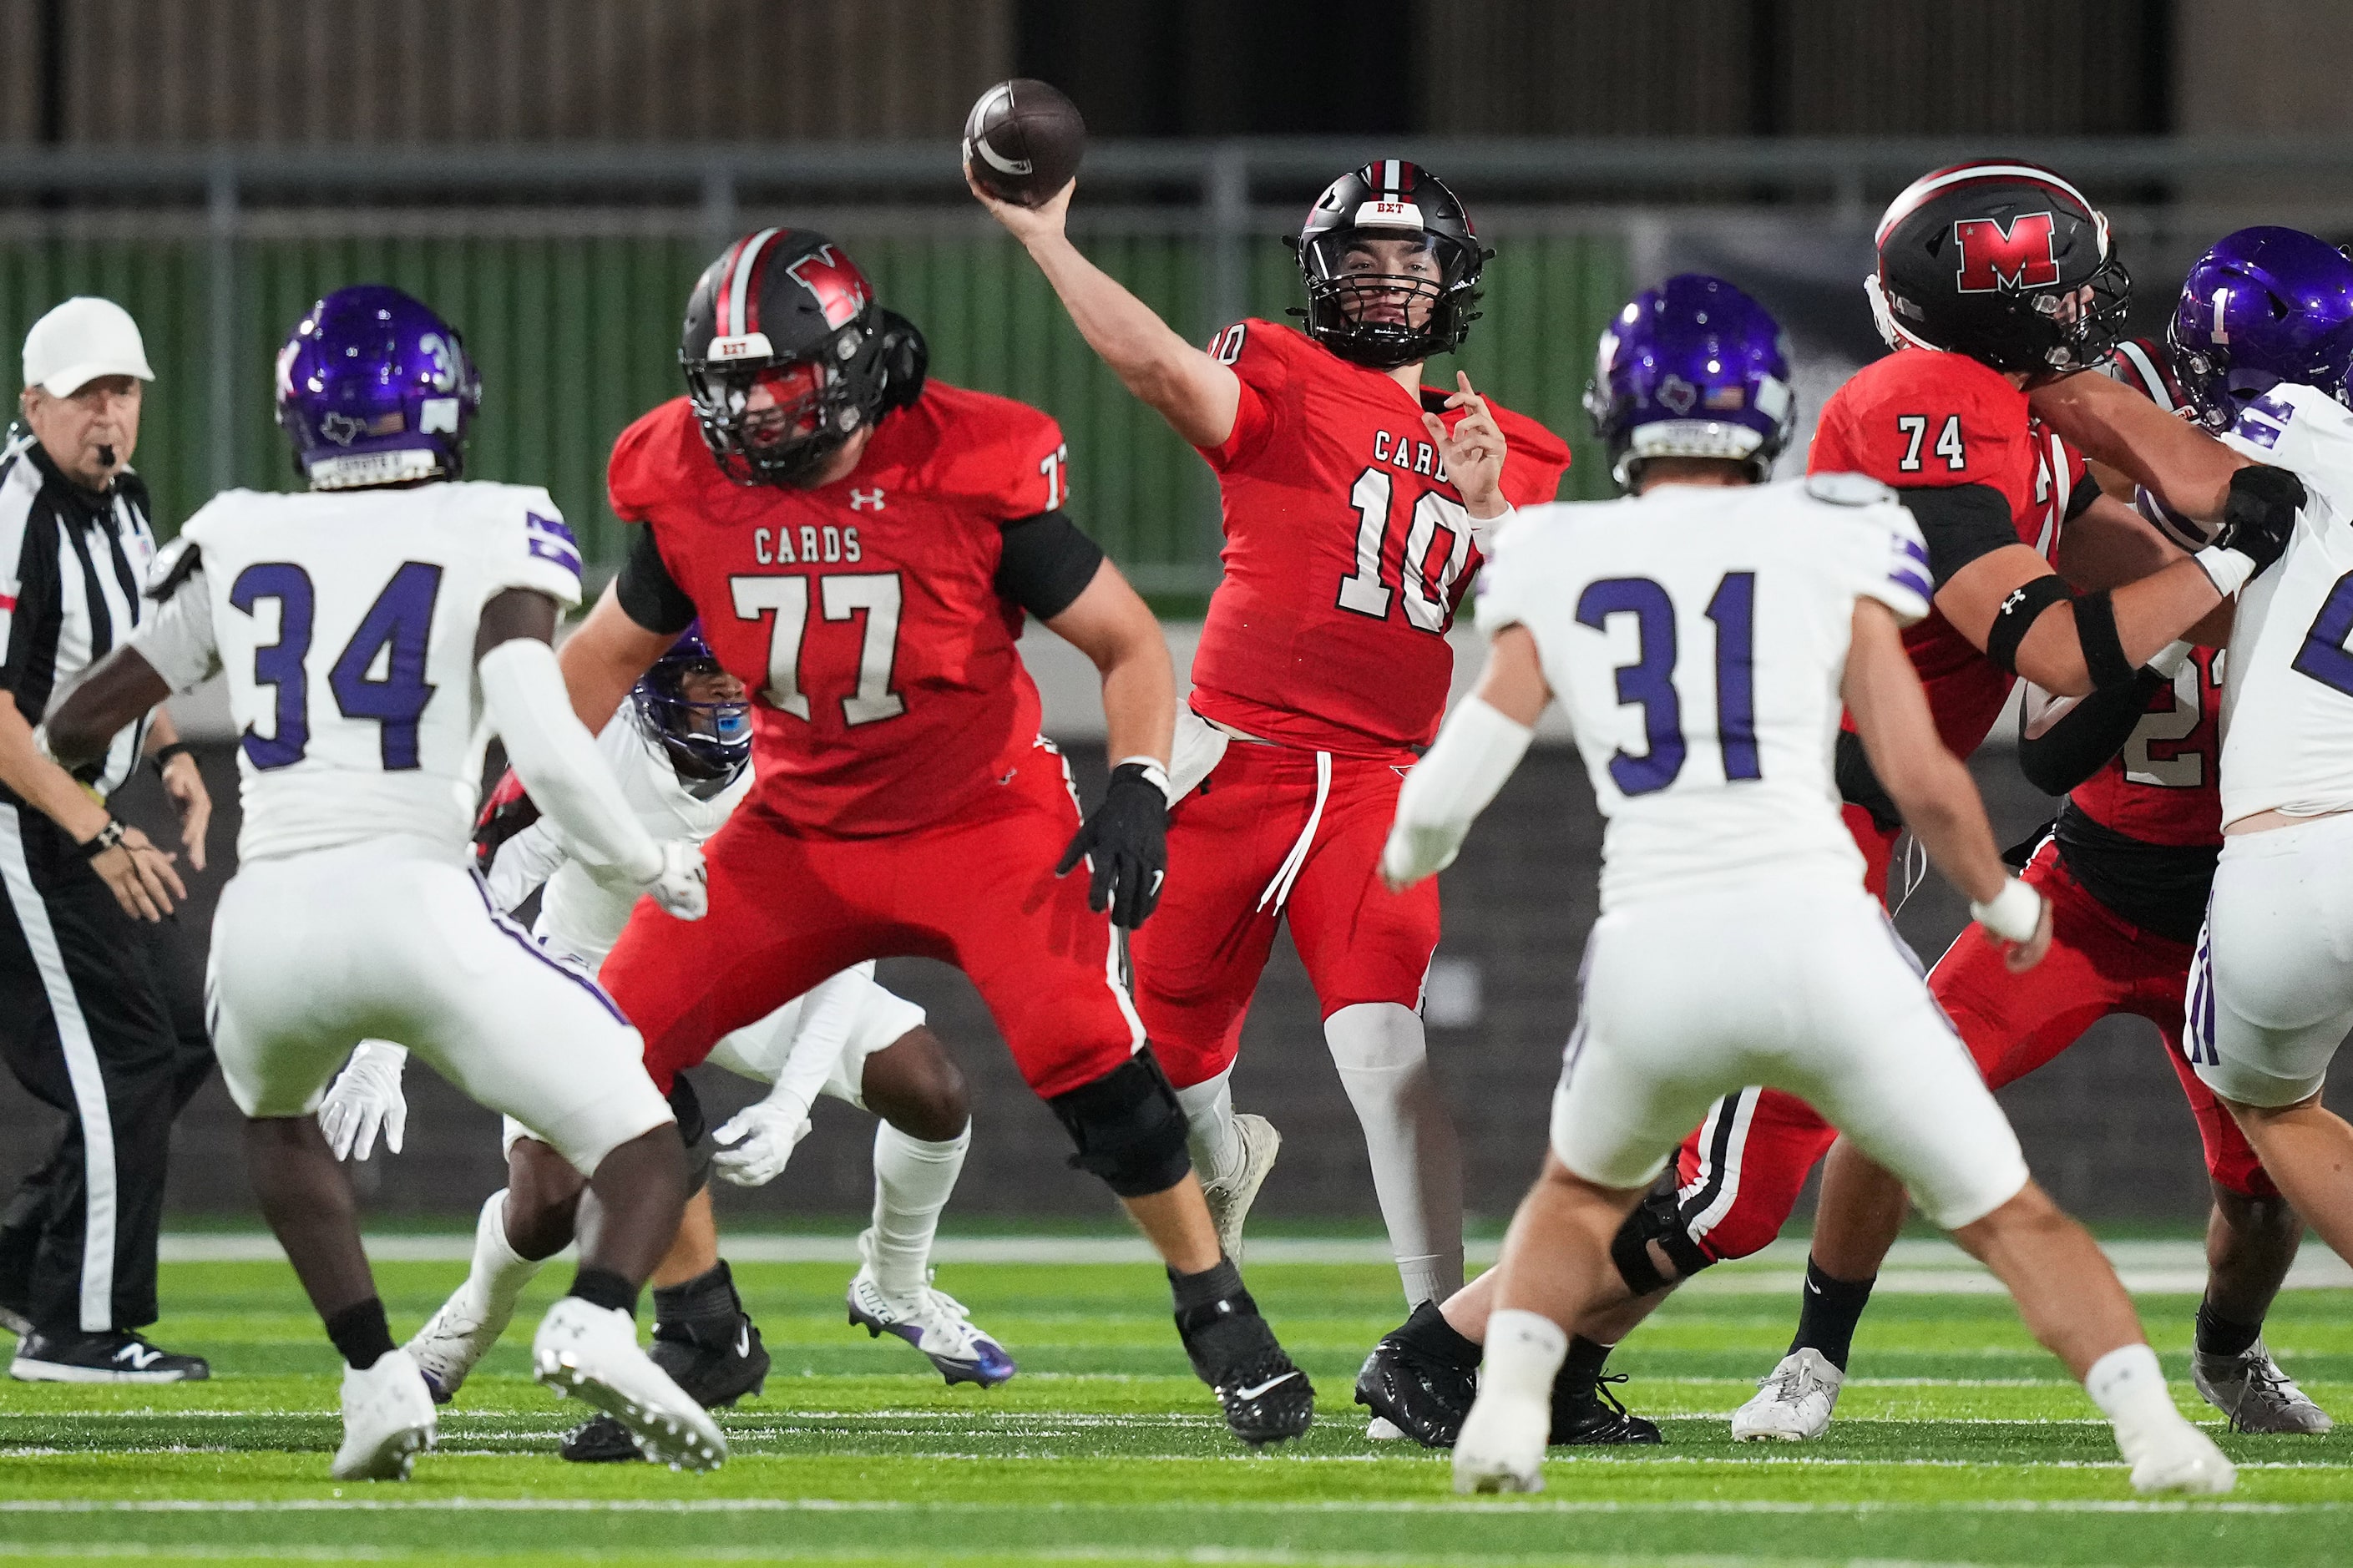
x=866 y=500
x=2017 y=597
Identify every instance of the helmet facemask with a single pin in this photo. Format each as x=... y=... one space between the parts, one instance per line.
x=705 y=739
x=778 y=422
x=1383 y=297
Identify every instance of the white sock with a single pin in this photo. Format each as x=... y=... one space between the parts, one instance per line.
x=1384 y=1065
x=912 y=1180
x=1208 y=1108
x=1524 y=1351
x=500 y=1272
x=2128 y=1386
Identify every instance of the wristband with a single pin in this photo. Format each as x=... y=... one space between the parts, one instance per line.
x=164 y=754
x=2227 y=569
x=2014 y=914
x=1153 y=774
x=107 y=837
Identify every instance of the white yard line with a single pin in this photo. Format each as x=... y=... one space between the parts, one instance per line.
x=1397 y=1506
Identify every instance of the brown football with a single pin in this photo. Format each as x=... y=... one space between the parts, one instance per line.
x=1024 y=140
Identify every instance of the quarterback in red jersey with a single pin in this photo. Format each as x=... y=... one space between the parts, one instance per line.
x=1995 y=280
x=861 y=546
x=1353 y=499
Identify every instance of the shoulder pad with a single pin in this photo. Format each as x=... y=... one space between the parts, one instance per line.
x=1848 y=489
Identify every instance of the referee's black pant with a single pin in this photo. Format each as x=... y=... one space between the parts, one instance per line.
x=88 y=1028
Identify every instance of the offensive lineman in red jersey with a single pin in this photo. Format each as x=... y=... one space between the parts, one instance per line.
x=1995 y=279
x=1352 y=500
x=861 y=546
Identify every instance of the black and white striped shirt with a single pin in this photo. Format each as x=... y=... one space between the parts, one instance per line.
x=71 y=567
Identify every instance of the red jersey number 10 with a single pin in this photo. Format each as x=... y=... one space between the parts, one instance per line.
x=842 y=597
x=1428 y=606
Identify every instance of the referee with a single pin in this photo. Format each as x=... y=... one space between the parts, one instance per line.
x=87 y=1025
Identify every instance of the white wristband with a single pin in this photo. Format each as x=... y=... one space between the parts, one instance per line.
x=2227 y=569
x=1154 y=769
x=2014 y=914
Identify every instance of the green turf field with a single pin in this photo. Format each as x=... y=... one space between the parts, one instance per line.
x=1959 y=1443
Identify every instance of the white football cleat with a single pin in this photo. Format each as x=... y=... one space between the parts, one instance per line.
x=2178 y=1458
x=1794 y=1405
x=2250 y=1389
x=388 y=1420
x=453 y=1338
x=934 y=1322
x=591 y=1352
x=1230 y=1198
x=1501 y=1448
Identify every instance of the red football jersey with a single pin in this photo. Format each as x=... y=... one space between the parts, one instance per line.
x=1921 y=418
x=1347 y=550
x=864 y=616
x=2161 y=788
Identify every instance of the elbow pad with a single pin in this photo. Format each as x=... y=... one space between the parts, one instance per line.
x=1448 y=789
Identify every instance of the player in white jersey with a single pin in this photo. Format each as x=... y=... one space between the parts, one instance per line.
x=2262 y=344
x=680 y=750
x=374 y=632
x=1700 y=635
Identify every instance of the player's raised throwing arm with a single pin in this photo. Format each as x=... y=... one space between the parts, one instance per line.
x=1197 y=396
x=1931 y=788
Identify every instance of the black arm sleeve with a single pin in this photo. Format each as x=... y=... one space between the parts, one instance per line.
x=2087 y=735
x=1961 y=522
x=2080 y=499
x=1046 y=565
x=647 y=591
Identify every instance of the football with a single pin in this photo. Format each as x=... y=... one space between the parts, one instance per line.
x=1023 y=141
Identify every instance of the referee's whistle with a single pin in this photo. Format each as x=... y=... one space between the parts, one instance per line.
x=106 y=457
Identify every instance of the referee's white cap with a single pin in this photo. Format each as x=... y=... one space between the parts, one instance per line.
x=81 y=340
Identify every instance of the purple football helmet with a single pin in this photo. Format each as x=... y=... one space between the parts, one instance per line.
x=704 y=740
x=2265 y=305
x=375 y=389
x=1693 y=368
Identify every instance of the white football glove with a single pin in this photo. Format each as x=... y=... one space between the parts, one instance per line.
x=364 y=1099
x=757 y=1140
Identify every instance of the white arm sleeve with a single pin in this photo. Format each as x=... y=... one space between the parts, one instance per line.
x=1475 y=753
x=523 y=691
x=523 y=862
x=827 y=1014
x=176 y=638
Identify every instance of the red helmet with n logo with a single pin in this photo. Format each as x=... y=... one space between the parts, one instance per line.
x=2003 y=261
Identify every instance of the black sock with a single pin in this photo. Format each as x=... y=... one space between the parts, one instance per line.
x=1833 y=1308
x=1581 y=1368
x=1210 y=1290
x=1428 y=1332
x=603 y=1287
x=360 y=1333
x=2218 y=1335
x=703 y=1311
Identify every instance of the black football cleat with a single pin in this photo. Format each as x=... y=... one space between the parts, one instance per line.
x=600 y=1441
x=715 y=1375
x=1423 y=1395
x=1594 y=1416
x=1266 y=1398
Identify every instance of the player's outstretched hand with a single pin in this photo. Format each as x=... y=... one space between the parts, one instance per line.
x=681 y=886
x=1025 y=223
x=509 y=810
x=1125 y=843
x=756 y=1142
x=364 y=1100
x=140 y=876
x=1474 y=451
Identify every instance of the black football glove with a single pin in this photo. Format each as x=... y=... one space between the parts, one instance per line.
x=2259 y=514
x=1126 y=840
x=506 y=812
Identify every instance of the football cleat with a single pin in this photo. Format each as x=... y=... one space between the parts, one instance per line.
x=112 y=1357
x=453 y=1339
x=388 y=1420
x=1229 y=1197
x=1266 y=1399
x=600 y=1440
x=2254 y=1393
x=935 y=1323
x=1424 y=1396
x=591 y=1352
x=1793 y=1405
x=1501 y=1445
x=2178 y=1458
x=1594 y=1416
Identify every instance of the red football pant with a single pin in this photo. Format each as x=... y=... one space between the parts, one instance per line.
x=1197 y=961
x=1741 y=1170
x=976 y=890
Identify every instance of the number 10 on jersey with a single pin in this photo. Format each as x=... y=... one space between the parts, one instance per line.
x=1428 y=606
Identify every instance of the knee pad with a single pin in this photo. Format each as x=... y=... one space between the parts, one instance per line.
x=1657 y=1217
x=1129 y=1128
x=694 y=1131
